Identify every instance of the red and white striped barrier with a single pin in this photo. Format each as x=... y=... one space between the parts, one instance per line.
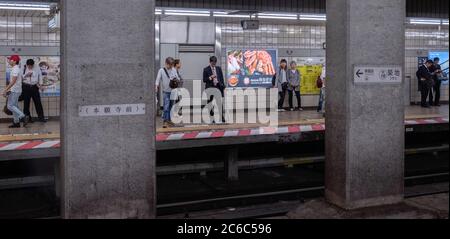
x=34 y=144
x=208 y=134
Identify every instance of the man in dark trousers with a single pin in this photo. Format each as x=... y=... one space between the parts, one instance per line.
x=435 y=71
x=213 y=78
x=425 y=82
x=31 y=85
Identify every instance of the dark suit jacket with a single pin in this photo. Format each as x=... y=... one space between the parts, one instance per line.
x=432 y=69
x=207 y=72
x=423 y=72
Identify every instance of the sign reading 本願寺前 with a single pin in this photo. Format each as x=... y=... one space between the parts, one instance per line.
x=111 y=110
x=250 y=67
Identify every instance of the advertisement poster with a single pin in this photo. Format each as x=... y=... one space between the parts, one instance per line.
x=310 y=68
x=250 y=67
x=308 y=81
x=50 y=68
x=443 y=57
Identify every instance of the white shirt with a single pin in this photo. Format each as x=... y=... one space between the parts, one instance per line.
x=15 y=72
x=35 y=78
x=164 y=80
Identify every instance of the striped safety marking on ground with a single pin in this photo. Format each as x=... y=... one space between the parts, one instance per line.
x=33 y=144
x=161 y=137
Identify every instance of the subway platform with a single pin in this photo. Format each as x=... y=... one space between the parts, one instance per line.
x=294 y=126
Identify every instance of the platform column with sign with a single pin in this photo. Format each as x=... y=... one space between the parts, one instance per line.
x=107 y=112
x=365 y=104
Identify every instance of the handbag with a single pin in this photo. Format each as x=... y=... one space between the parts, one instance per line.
x=284 y=86
x=6 y=110
x=274 y=79
x=173 y=83
x=319 y=83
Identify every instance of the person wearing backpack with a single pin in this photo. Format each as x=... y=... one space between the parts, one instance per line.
x=167 y=80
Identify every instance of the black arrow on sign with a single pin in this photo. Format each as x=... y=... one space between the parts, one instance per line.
x=359 y=73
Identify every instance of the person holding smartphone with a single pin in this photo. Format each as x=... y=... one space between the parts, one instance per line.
x=436 y=72
x=13 y=91
x=31 y=87
x=213 y=78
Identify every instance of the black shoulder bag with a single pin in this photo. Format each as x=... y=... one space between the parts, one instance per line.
x=173 y=84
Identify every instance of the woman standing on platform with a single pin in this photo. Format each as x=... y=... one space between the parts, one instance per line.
x=176 y=94
x=293 y=77
x=13 y=92
x=281 y=82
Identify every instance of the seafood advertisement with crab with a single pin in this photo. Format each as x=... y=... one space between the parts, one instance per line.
x=250 y=67
x=50 y=68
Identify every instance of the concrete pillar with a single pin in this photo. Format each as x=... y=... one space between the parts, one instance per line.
x=107 y=109
x=365 y=122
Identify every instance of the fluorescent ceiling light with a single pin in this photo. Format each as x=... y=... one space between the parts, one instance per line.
x=187 y=14
x=225 y=14
x=173 y=12
x=444 y=22
x=425 y=21
x=313 y=17
x=158 y=11
x=277 y=16
x=186 y=11
x=20 y=6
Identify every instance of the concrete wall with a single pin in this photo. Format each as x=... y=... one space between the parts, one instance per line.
x=108 y=162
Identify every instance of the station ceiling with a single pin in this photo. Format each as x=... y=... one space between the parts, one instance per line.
x=415 y=8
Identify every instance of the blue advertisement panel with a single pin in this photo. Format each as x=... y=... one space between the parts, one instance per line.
x=250 y=67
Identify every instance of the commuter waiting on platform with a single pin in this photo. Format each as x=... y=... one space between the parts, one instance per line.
x=436 y=72
x=293 y=77
x=426 y=82
x=13 y=91
x=213 y=78
x=281 y=82
x=163 y=79
x=321 y=85
x=175 y=95
x=31 y=85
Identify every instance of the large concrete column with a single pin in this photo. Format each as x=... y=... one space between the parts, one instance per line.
x=365 y=122
x=107 y=125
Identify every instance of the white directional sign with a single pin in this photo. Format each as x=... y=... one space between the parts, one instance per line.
x=377 y=74
x=111 y=110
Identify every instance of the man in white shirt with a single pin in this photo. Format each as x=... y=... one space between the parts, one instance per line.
x=31 y=85
x=13 y=91
x=163 y=78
